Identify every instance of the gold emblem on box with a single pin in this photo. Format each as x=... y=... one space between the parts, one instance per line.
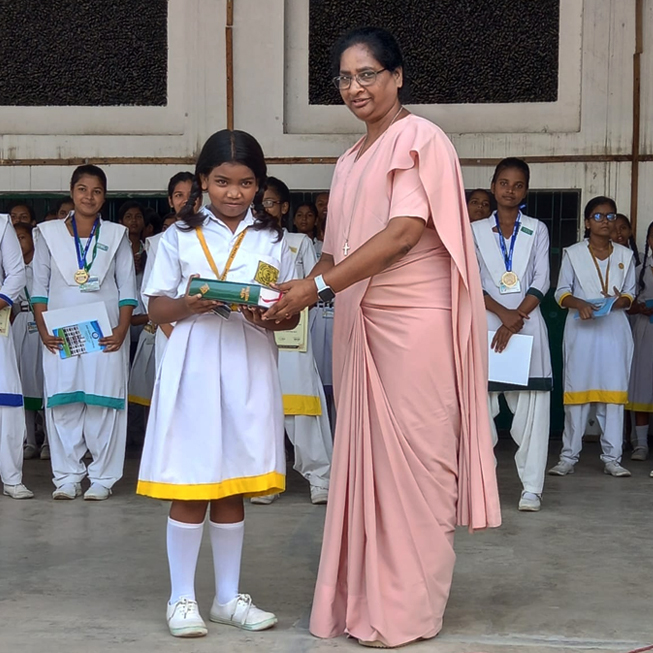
x=244 y=294
x=205 y=288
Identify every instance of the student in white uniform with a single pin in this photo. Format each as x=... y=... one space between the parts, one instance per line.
x=29 y=349
x=640 y=388
x=304 y=403
x=179 y=188
x=597 y=351
x=215 y=433
x=83 y=260
x=12 y=414
x=513 y=254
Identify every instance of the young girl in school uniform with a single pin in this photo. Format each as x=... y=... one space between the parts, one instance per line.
x=215 y=433
x=12 y=415
x=640 y=388
x=513 y=254
x=597 y=351
x=304 y=404
x=83 y=260
x=29 y=348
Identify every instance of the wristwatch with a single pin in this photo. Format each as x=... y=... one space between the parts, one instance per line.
x=324 y=292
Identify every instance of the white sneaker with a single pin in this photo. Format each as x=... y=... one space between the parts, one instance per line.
x=264 y=500
x=319 y=495
x=45 y=452
x=29 y=452
x=68 y=491
x=184 y=619
x=615 y=469
x=97 y=492
x=561 y=469
x=530 y=502
x=18 y=492
x=242 y=613
x=639 y=453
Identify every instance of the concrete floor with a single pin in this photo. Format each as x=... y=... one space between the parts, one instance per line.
x=79 y=577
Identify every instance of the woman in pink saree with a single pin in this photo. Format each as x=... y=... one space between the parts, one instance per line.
x=413 y=453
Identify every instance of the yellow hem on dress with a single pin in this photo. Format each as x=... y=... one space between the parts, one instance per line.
x=133 y=399
x=250 y=486
x=301 y=405
x=640 y=408
x=595 y=396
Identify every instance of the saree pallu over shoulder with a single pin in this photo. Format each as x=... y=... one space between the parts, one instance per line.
x=417 y=143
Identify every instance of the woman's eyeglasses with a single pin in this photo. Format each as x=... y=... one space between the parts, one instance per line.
x=268 y=204
x=366 y=78
x=598 y=217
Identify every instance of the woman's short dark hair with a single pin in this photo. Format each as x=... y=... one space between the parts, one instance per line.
x=65 y=200
x=512 y=162
x=177 y=179
x=90 y=170
x=128 y=206
x=597 y=201
x=230 y=146
x=380 y=42
x=29 y=208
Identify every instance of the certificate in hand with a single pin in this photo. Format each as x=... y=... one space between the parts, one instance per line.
x=513 y=363
x=294 y=339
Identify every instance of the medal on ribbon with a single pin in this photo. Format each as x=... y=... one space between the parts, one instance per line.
x=82 y=275
x=509 y=279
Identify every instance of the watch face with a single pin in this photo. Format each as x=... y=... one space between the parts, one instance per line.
x=326 y=295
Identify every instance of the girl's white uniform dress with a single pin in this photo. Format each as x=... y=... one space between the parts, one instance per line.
x=531 y=404
x=597 y=353
x=143 y=369
x=85 y=396
x=640 y=388
x=12 y=415
x=304 y=403
x=28 y=345
x=216 y=420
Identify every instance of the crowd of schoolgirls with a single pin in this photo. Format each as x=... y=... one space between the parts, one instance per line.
x=73 y=411
x=607 y=287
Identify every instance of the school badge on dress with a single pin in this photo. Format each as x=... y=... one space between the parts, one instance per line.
x=266 y=274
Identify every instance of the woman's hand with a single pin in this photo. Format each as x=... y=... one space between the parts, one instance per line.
x=513 y=319
x=115 y=340
x=52 y=343
x=297 y=295
x=254 y=315
x=501 y=338
x=641 y=309
x=586 y=310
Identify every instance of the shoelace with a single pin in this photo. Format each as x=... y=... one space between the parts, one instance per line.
x=246 y=601
x=187 y=606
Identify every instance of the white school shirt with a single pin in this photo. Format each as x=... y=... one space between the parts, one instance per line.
x=597 y=353
x=180 y=255
x=531 y=264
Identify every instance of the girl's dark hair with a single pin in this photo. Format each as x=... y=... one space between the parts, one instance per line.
x=647 y=249
x=313 y=208
x=231 y=146
x=512 y=162
x=177 y=179
x=632 y=243
x=277 y=186
x=592 y=204
x=65 y=200
x=90 y=170
x=151 y=217
x=29 y=208
x=127 y=206
x=381 y=43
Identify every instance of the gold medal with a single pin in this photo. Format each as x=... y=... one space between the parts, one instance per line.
x=81 y=277
x=509 y=279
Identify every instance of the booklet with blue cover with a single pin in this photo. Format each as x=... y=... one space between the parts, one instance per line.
x=78 y=339
x=605 y=305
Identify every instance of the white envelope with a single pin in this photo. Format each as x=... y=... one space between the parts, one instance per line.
x=513 y=363
x=64 y=317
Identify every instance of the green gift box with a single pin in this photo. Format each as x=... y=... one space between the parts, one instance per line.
x=230 y=292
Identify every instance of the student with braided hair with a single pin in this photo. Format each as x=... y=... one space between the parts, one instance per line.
x=640 y=388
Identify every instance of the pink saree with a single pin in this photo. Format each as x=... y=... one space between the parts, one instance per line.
x=413 y=454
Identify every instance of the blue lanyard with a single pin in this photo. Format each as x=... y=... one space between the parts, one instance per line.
x=81 y=255
x=507 y=255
